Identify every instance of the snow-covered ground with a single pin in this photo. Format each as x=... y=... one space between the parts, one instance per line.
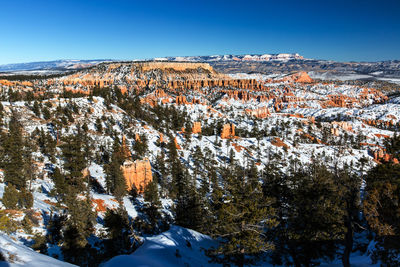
x=17 y=254
x=176 y=247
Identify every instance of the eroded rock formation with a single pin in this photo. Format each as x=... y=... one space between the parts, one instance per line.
x=196 y=127
x=137 y=174
x=228 y=131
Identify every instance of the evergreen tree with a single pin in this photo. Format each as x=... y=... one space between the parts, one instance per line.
x=36 y=108
x=242 y=218
x=25 y=199
x=115 y=181
x=79 y=227
x=309 y=214
x=60 y=184
x=189 y=207
x=382 y=211
x=349 y=186
x=74 y=160
x=13 y=169
x=55 y=227
x=118 y=233
x=10 y=197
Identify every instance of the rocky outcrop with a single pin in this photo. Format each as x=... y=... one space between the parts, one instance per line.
x=228 y=131
x=380 y=155
x=181 y=100
x=176 y=66
x=340 y=124
x=260 y=113
x=303 y=78
x=278 y=142
x=137 y=174
x=196 y=127
x=176 y=144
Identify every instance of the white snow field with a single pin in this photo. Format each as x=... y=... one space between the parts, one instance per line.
x=17 y=254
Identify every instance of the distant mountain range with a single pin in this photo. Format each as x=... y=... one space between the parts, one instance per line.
x=50 y=66
x=259 y=63
x=238 y=58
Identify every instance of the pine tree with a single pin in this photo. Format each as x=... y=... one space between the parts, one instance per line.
x=188 y=207
x=175 y=167
x=151 y=194
x=74 y=160
x=36 y=108
x=349 y=186
x=13 y=170
x=381 y=208
x=54 y=227
x=309 y=213
x=25 y=199
x=115 y=181
x=117 y=224
x=79 y=227
x=60 y=184
x=242 y=218
x=10 y=197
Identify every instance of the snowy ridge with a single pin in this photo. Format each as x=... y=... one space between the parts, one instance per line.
x=20 y=255
x=176 y=247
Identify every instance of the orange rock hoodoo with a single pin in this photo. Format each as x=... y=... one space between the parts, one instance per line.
x=260 y=113
x=137 y=174
x=228 y=131
x=181 y=100
x=380 y=155
x=196 y=127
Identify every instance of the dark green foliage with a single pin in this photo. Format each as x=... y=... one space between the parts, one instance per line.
x=10 y=197
x=54 y=228
x=140 y=147
x=46 y=113
x=310 y=215
x=118 y=229
x=79 y=227
x=60 y=183
x=151 y=194
x=349 y=186
x=393 y=145
x=36 y=108
x=27 y=224
x=39 y=243
x=151 y=208
x=99 y=125
x=382 y=211
x=74 y=160
x=13 y=150
x=241 y=218
x=115 y=181
x=25 y=199
x=161 y=167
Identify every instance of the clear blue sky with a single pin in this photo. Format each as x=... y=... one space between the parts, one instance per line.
x=39 y=30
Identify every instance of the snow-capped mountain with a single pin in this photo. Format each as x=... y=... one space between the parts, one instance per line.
x=253 y=57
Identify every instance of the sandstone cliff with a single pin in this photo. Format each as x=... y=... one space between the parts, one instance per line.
x=137 y=174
